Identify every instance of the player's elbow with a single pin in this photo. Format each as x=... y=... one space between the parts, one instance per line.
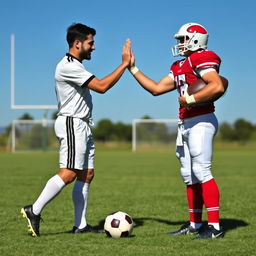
x=155 y=91
x=102 y=90
x=217 y=92
x=99 y=86
x=99 y=90
x=220 y=88
x=224 y=83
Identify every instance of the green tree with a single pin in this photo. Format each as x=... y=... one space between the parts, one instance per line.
x=109 y=131
x=241 y=131
x=54 y=115
x=244 y=129
x=122 y=132
x=26 y=116
x=227 y=132
x=103 y=130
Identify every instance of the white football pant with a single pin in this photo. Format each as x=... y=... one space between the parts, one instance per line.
x=194 y=147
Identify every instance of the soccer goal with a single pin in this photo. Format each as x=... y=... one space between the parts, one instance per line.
x=28 y=135
x=153 y=134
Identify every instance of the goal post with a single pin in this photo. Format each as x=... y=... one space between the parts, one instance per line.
x=28 y=135
x=147 y=133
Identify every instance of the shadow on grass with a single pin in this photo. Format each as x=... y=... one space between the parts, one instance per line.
x=227 y=224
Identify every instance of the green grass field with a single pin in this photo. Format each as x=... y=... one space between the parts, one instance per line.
x=145 y=185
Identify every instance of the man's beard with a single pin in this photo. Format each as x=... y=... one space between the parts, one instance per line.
x=85 y=55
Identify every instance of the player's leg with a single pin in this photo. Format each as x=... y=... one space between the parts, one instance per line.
x=201 y=145
x=54 y=185
x=193 y=188
x=80 y=199
x=195 y=203
x=194 y=197
x=84 y=160
x=200 y=142
x=52 y=188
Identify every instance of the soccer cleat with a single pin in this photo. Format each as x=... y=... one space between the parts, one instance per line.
x=186 y=229
x=210 y=232
x=33 y=220
x=87 y=229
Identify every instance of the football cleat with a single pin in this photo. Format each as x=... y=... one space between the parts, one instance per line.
x=33 y=220
x=210 y=232
x=87 y=229
x=186 y=229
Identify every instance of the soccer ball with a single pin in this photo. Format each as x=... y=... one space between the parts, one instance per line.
x=118 y=224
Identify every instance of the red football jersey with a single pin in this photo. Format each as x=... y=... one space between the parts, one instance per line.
x=186 y=71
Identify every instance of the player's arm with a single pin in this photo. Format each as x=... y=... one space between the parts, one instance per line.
x=216 y=87
x=104 y=84
x=166 y=84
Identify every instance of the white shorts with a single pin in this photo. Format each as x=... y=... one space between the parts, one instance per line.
x=195 y=146
x=76 y=143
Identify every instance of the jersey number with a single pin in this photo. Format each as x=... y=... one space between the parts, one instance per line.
x=181 y=83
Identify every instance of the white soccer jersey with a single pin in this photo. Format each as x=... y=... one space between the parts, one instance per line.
x=74 y=98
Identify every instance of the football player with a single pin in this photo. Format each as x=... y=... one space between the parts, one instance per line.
x=72 y=126
x=197 y=124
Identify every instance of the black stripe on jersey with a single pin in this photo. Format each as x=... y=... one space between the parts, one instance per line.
x=87 y=81
x=71 y=57
x=71 y=143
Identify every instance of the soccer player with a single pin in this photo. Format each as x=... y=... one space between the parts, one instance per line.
x=197 y=124
x=72 y=126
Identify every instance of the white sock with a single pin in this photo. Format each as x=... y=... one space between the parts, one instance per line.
x=51 y=189
x=80 y=198
x=216 y=225
x=195 y=225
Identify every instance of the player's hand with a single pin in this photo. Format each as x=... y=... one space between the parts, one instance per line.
x=182 y=99
x=132 y=62
x=126 y=54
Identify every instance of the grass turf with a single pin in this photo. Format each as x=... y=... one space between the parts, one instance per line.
x=145 y=185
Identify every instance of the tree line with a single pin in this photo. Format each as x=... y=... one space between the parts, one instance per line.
x=105 y=130
x=240 y=131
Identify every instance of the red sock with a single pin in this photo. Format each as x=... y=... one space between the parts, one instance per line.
x=211 y=197
x=195 y=202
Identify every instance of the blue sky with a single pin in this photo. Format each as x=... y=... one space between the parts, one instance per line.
x=40 y=30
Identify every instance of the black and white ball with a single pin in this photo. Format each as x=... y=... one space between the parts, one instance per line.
x=118 y=224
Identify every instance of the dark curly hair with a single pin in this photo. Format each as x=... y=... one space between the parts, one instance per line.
x=78 y=31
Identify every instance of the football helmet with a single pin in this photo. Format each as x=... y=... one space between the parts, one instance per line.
x=190 y=37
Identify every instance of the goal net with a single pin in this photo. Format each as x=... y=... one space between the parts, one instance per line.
x=154 y=134
x=27 y=135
